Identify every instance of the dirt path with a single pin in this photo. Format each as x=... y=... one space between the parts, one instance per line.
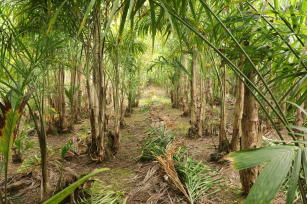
x=156 y=111
x=125 y=169
x=200 y=149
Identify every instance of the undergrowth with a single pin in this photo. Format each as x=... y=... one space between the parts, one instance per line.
x=198 y=179
x=99 y=193
x=155 y=145
x=67 y=147
x=29 y=163
x=145 y=109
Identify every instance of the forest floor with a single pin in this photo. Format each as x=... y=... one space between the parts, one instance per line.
x=127 y=174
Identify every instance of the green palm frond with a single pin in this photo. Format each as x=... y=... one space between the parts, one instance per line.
x=57 y=198
x=281 y=162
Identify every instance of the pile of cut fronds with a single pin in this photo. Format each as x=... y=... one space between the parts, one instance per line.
x=167 y=163
x=194 y=179
x=197 y=178
x=155 y=145
x=99 y=193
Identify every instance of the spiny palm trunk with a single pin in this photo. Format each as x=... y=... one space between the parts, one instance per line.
x=196 y=126
x=237 y=131
x=223 y=141
x=250 y=137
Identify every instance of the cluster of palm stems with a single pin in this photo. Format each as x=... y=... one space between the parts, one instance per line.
x=261 y=43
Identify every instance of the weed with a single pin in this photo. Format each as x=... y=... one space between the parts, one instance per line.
x=22 y=143
x=145 y=109
x=68 y=146
x=29 y=163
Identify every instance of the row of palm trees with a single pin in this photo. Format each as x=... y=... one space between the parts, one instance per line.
x=258 y=45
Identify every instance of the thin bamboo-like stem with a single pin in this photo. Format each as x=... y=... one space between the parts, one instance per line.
x=279 y=113
x=286 y=23
x=283 y=39
x=240 y=74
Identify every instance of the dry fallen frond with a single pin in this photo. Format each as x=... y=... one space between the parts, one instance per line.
x=167 y=163
x=150 y=173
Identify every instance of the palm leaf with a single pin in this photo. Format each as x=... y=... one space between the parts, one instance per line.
x=250 y=158
x=294 y=177
x=282 y=163
x=87 y=12
x=123 y=18
x=303 y=129
x=57 y=198
x=304 y=161
x=153 y=21
x=299 y=107
x=54 y=17
x=6 y=134
x=279 y=162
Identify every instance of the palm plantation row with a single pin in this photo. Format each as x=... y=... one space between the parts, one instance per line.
x=62 y=61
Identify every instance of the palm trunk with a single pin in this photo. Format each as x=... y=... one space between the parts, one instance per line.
x=196 y=127
x=116 y=139
x=185 y=102
x=250 y=137
x=175 y=94
x=73 y=73
x=97 y=148
x=75 y=80
x=79 y=92
x=89 y=95
x=203 y=104
x=61 y=100
x=43 y=149
x=41 y=132
x=223 y=141
x=130 y=103
x=43 y=143
x=122 y=110
x=209 y=93
x=237 y=131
